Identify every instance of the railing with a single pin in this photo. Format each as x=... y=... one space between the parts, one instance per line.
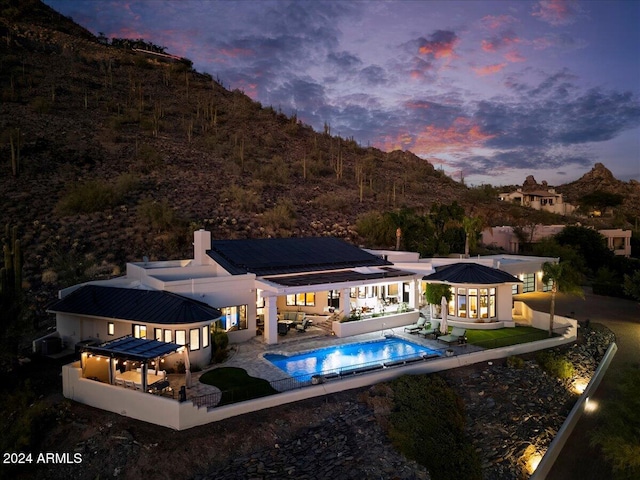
x=301 y=381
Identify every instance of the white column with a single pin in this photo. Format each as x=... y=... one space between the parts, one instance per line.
x=345 y=302
x=413 y=289
x=270 y=320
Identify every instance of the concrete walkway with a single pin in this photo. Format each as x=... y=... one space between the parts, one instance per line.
x=578 y=460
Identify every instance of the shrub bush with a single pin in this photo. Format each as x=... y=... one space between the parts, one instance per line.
x=555 y=364
x=515 y=362
x=427 y=425
x=219 y=344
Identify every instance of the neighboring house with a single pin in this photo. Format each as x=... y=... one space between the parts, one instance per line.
x=547 y=200
x=618 y=240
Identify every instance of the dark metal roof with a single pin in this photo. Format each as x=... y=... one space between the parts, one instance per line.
x=277 y=256
x=151 y=306
x=336 y=277
x=133 y=348
x=471 y=273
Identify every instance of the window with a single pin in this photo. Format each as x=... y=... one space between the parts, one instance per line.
x=181 y=337
x=333 y=299
x=111 y=328
x=167 y=336
x=139 y=331
x=529 y=284
x=259 y=299
x=492 y=302
x=392 y=289
x=362 y=292
x=546 y=287
x=484 y=303
x=462 y=302
x=514 y=289
x=473 y=303
x=301 y=300
x=352 y=293
x=194 y=339
x=157 y=334
x=233 y=318
x=205 y=336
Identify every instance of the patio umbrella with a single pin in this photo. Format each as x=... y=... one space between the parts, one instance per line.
x=444 y=327
x=187 y=366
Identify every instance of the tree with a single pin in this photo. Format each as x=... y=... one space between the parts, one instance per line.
x=591 y=245
x=472 y=226
x=564 y=279
x=434 y=293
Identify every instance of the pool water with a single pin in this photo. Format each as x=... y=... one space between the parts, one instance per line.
x=338 y=358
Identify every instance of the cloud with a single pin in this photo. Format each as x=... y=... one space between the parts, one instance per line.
x=344 y=60
x=373 y=75
x=497 y=42
x=441 y=44
x=514 y=56
x=493 y=22
x=557 y=12
x=489 y=69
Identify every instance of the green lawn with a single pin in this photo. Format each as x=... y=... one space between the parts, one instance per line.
x=236 y=384
x=505 y=336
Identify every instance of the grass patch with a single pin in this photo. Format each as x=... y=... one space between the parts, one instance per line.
x=503 y=337
x=237 y=385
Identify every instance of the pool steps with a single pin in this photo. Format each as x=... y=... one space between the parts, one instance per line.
x=379 y=366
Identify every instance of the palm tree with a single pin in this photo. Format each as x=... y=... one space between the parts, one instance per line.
x=564 y=279
x=471 y=225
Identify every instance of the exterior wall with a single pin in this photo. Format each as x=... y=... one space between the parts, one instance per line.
x=347 y=329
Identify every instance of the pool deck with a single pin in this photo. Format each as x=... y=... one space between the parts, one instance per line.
x=250 y=355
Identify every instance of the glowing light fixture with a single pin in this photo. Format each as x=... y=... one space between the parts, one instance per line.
x=580 y=385
x=590 y=406
x=533 y=462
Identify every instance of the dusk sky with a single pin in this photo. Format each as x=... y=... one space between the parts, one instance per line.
x=493 y=90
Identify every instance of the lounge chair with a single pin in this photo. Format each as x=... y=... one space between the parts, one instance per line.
x=432 y=329
x=302 y=327
x=416 y=327
x=456 y=334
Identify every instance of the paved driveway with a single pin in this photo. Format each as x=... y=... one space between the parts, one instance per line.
x=577 y=459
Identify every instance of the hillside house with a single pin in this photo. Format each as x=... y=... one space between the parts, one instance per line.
x=547 y=200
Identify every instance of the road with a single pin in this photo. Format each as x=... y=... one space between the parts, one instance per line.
x=578 y=460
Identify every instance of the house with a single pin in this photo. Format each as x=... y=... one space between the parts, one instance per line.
x=618 y=240
x=547 y=200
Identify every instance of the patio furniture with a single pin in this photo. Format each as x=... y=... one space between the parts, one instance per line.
x=129 y=384
x=302 y=327
x=119 y=382
x=158 y=387
x=456 y=334
x=432 y=329
x=283 y=328
x=416 y=327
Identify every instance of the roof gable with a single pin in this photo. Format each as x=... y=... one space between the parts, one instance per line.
x=275 y=256
x=151 y=306
x=471 y=273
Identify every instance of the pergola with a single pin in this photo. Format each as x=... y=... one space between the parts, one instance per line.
x=133 y=349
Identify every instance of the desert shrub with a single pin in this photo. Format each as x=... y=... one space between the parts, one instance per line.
x=219 y=344
x=555 y=364
x=41 y=105
x=335 y=203
x=148 y=159
x=515 y=362
x=91 y=196
x=242 y=198
x=282 y=216
x=159 y=215
x=180 y=367
x=422 y=432
x=275 y=172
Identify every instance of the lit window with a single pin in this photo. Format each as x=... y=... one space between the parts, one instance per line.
x=167 y=336
x=139 y=331
x=205 y=336
x=194 y=339
x=111 y=328
x=157 y=334
x=181 y=337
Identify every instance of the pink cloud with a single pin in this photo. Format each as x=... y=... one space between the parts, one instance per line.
x=505 y=39
x=494 y=22
x=441 y=44
x=514 y=56
x=489 y=69
x=556 y=12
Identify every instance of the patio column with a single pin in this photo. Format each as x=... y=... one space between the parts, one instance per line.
x=346 y=302
x=143 y=380
x=413 y=293
x=270 y=320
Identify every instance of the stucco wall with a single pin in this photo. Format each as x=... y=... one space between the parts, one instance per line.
x=347 y=329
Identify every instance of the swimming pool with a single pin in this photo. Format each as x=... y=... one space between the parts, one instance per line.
x=341 y=358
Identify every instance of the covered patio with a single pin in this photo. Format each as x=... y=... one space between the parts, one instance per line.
x=134 y=363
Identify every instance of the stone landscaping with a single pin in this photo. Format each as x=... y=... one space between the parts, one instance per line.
x=511 y=412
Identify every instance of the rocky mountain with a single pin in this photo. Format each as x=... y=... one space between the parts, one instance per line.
x=115 y=150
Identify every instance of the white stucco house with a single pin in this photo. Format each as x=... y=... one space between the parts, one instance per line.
x=547 y=200
x=618 y=240
x=257 y=287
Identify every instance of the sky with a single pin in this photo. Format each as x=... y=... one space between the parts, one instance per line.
x=488 y=91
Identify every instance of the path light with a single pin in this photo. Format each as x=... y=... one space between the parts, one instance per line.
x=533 y=462
x=580 y=385
x=590 y=406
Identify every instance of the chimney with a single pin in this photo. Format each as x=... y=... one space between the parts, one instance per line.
x=201 y=243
